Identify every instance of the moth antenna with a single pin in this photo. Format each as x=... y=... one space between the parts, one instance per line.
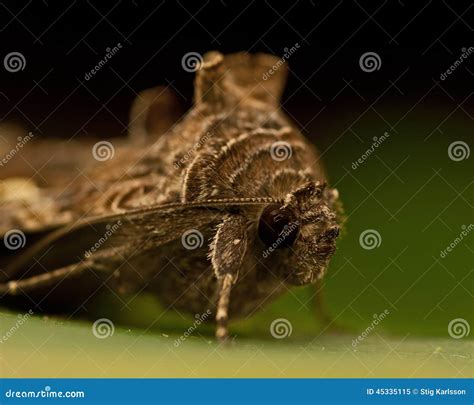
x=129 y=215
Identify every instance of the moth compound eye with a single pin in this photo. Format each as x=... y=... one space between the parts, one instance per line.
x=278 y=227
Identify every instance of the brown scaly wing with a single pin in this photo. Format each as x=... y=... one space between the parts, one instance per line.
x=69 y=265
x=134 y=231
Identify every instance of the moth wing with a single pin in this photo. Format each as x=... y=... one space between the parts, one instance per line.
x=26 y=208
x=50 y=162
x=136 y=231
x=53 y=200
x=46 y=179
x=94 y=248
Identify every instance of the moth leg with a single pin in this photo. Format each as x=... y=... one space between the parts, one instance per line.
x=227 y=252
x=17 y=287
x=222 y=313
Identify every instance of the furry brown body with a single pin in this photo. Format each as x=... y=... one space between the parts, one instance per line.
x=232 y=156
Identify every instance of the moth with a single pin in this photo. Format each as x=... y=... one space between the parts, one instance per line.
x=221 y=209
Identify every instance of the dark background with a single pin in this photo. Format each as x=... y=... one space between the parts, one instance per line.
x=61 y=41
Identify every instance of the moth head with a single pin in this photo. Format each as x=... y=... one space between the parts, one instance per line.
x=300 y=234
